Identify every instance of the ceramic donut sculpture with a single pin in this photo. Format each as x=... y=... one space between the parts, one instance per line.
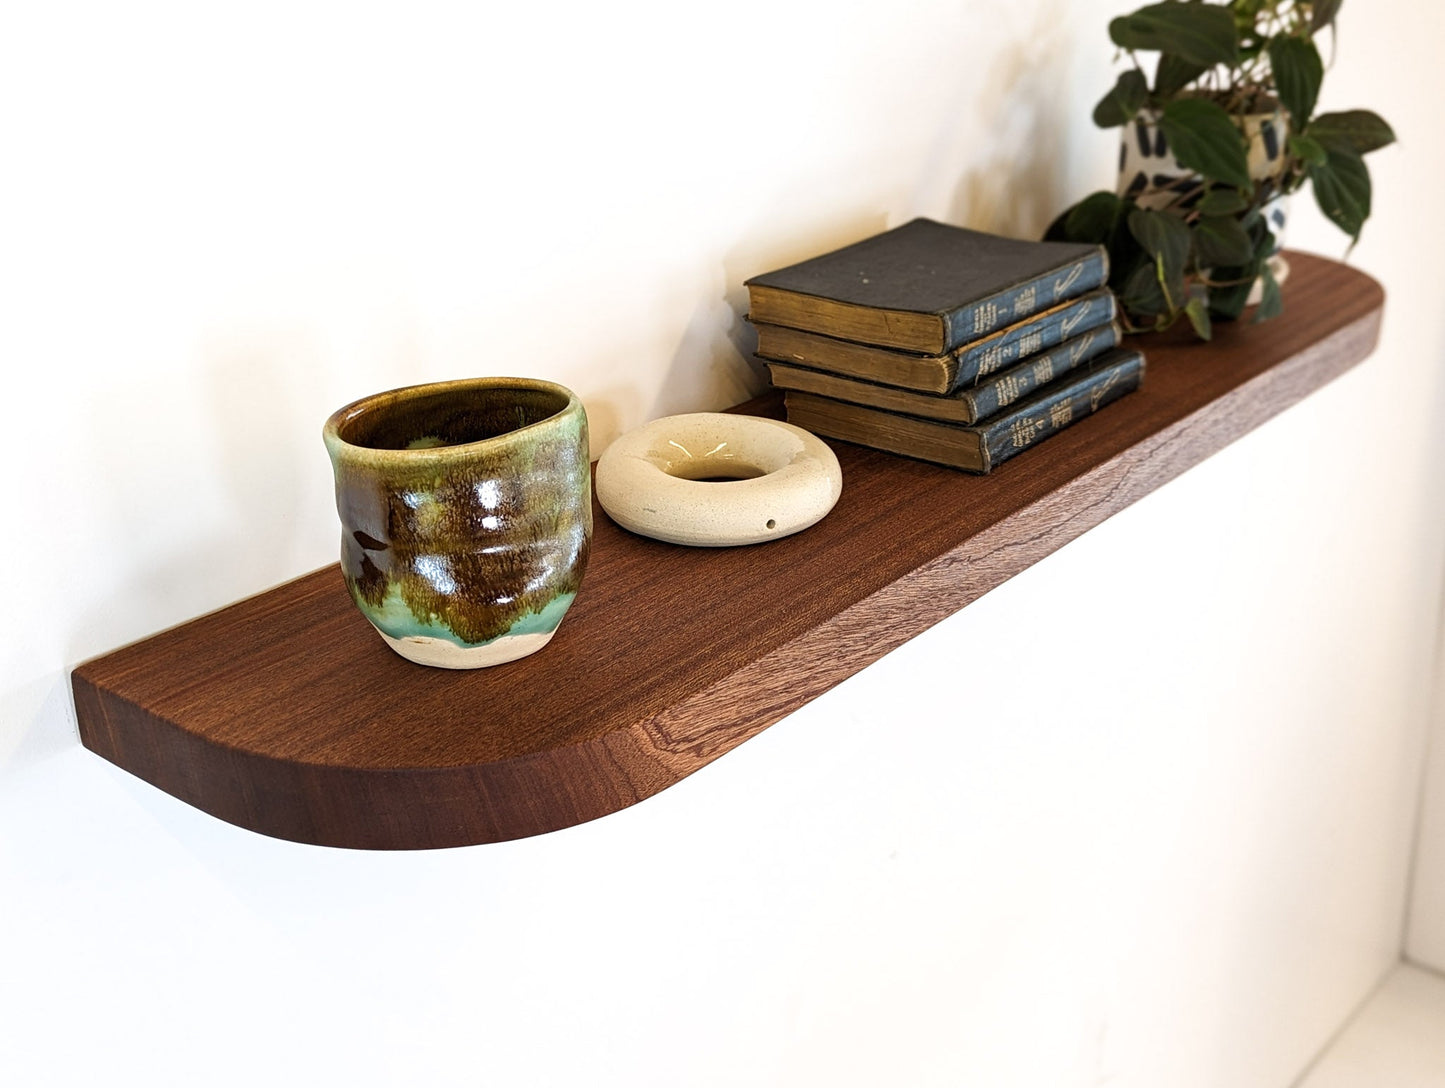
x=711 y=479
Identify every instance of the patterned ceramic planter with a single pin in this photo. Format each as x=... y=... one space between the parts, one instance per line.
x=1149 y=172
x=466 y=515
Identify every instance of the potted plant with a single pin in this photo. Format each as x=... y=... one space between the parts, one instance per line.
x=1225 y=130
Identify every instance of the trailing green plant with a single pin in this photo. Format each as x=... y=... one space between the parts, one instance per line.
x=1195 y=249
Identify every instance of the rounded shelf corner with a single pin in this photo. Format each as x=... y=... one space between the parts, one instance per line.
x=285 y=714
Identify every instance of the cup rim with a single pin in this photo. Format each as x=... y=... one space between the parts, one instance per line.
x=331 y=430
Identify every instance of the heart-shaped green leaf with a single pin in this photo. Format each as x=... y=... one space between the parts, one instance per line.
x=1142 y=296
x=1199 y=33
x=1322 y=13
x=1342 y=189
x=1203 y=138
x=1362 y=130
x=1092 y=219
x=1271 y=302
x=1125 y=100
x=1219 y=240
x=1308 y=149
x=1228 y=299
x=1175 y=73
x=1222 y=200
x=1165 y=238
x=1198 y=313
x=1266 y=244
x=1298 y=72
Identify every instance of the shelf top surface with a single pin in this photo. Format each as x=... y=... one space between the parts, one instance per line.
x=296 y=674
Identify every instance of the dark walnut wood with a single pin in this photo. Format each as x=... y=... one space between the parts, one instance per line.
x=286 y=714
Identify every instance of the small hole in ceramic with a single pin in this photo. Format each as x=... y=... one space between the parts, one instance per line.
x=772 y=524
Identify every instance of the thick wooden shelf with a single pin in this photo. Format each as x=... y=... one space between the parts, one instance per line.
x=287 y=715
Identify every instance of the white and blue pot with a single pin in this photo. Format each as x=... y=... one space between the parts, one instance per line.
x=1149 y=172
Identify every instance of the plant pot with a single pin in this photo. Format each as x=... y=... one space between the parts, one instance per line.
x=1149 y=172
x=466 y=515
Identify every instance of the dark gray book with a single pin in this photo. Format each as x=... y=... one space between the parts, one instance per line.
x=971 y=403
x=935 y=374
x=984 y=446
x=925 y=286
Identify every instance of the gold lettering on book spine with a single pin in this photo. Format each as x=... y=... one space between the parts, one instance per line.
x=1077 y=351
x=1071 y=321
x=1009 y=388
x=1061 y=414
x=1027 y=301
x=992 y=359
x=1044 y=370
x=1097 y=394
x=1069 y=279
x=1030 y=342
x=1024 y=431
x=985 y=317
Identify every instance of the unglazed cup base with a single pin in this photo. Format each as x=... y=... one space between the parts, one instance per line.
x=439 y=653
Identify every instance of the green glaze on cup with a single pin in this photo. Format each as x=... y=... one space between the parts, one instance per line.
x=466 y=515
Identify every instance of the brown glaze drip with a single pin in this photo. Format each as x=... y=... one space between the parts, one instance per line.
x=474 y=541
x=369 y=584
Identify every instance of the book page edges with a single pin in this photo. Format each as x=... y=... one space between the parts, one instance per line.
x=904 y=329
x=818 y=351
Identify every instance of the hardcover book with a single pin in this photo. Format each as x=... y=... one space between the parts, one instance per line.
x=926 y=287
x=938 y=373
x=968 y=405
x=983 y=447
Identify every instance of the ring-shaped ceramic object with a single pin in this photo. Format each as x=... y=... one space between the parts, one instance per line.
x=711 y=479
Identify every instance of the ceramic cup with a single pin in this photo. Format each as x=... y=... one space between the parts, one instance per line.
x=466 y=515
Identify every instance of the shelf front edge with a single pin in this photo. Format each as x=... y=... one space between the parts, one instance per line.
x=762 y=693
x=545 y=790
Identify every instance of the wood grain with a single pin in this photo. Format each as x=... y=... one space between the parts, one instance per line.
x=286 y=714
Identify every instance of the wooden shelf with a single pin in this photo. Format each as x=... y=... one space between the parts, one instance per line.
x=286 y=714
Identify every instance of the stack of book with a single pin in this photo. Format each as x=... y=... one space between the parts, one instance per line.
x=942 y=343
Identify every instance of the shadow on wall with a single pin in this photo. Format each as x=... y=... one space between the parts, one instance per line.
x=762 y=251
x=41 y=723
x=1016 y=185
x=712 y=365
x=608 y=412
x=728 y=372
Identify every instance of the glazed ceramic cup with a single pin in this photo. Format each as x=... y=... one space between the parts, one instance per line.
x=466 y=515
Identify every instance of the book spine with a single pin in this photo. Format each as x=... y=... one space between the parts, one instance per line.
x=1009 y=386
x=1045 y=330
x=1013 y=304
x=1111 y=377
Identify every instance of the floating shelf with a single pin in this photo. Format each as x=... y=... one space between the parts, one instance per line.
x=285 y=713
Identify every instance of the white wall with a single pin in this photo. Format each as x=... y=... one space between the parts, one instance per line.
x=1425 y=933
x=1141 y=816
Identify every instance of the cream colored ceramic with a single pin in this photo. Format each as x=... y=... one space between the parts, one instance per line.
x=714 y=480
x=443 y=653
